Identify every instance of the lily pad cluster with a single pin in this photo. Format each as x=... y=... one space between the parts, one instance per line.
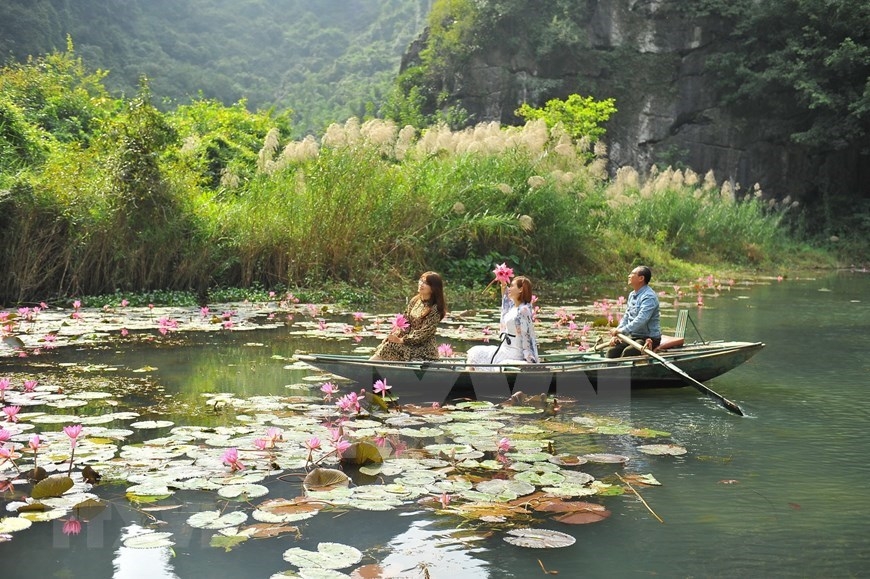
x=506 y=470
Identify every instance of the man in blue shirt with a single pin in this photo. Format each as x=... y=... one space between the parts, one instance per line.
x=641 y=318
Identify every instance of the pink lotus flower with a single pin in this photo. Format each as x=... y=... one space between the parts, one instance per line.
x=503 y=273
x=261 y=443
x=313 y=443
x=381 y=387
x=342 y=445
x=329 y=389
x=4 y=435
x=77 y=304
x=349 y=402
x=445 y=350
x=11 y=413
x=231 y=459
x=124 y=332
x=358 y=316
x=124 y=303
x=72 y=527
x=227 y=324
x=275 y=434
x=30 y=385
x=34 y=442
x=400 y=322
x=444 y=499
x=73 y=432
x=203 y=311
x=504 y=445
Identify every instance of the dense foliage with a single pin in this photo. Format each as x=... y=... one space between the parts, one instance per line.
x=99 y=195
x=327 y=60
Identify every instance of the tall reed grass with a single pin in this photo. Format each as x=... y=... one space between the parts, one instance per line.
x=366 y=203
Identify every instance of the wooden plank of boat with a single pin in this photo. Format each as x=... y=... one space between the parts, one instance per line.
x=583 y=373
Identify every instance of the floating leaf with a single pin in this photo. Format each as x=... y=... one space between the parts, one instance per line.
x=649 y=433
x=152 y=424
x=327 y=556
x=216 y=520
x=227 y=543
x=53 y=486
x=662 y=449
x=13 y=524
x=568 y=460
x=361 y=453
x=539 y=538
x=285 y=511
x=149 y=541
x=324 y=479
x=89 y=509
x=606 y=458
x=243 y=492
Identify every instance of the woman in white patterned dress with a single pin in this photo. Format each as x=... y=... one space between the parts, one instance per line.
x=518 y=344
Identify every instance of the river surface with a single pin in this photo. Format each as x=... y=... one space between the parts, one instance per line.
x=780 y=492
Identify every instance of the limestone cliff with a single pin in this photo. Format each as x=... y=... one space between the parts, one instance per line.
x=651 y=57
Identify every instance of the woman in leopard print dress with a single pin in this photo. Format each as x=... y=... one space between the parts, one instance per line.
x=423 y=313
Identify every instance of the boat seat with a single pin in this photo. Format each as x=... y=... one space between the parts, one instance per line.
x=670 y=342
x=678 y=339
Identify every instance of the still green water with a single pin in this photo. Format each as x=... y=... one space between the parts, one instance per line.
x=780 y=492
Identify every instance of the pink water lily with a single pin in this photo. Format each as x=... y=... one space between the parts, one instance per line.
x=231 y=459
x=444 y=499
x=73 y=432
x=503 y=273
x=381 y=387
x=30 y=385
x=400 y=322
x=261 y=443
x=34 y=442
x=4 y=386
x=4 y=435
x=72 y=527
x=504 y=445
x=358 y=316
x=342 y=445
x=445 y=350
x=349 y=402
x=11 y=413
x=329 y=389
x=313 y=443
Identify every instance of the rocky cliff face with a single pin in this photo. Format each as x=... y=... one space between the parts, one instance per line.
x=651 y=58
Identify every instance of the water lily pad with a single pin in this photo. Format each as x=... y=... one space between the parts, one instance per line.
x=327 y=556
x=152 y=424
x=53 y=486
x=149 y=541
x=285 y=510
x=662 y=449
x=606 y=458
x=216 y=520
x=243 y=492
x=568 y=460
x=324 y=479
x=14 y=524
x=539 y=538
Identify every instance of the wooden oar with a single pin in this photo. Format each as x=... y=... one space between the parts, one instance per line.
x=686 y=378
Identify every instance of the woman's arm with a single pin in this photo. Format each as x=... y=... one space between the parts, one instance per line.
x=526 y=334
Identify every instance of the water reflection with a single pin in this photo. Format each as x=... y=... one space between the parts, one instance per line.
x=131 y=563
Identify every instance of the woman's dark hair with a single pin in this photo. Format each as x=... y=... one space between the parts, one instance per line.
x=436 y=284
x=525 y=285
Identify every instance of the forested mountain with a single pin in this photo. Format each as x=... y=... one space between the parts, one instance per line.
x=326 y=60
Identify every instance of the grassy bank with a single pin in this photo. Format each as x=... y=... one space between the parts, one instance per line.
x=104 y=197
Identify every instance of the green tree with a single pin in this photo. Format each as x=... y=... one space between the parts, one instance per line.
x=579 y=116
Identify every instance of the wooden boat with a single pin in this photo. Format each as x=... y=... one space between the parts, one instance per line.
x=584 y=374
